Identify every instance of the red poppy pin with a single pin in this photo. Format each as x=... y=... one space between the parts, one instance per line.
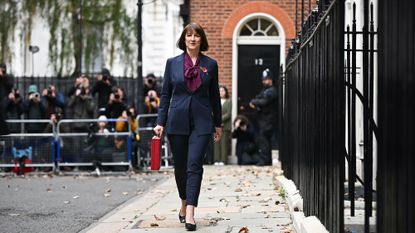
x=204 y=70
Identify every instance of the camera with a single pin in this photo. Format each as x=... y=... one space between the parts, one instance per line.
x=83 y=91
x=152 y=99
x=49 y=92
x=104 y=77
x=116 y=95
x=242 y=123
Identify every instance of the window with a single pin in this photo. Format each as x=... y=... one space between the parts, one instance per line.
x=259 y=27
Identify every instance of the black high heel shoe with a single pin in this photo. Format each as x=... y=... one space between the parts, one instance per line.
x=182 y=219
x=190 y=227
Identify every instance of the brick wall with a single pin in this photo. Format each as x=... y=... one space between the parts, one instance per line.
x=219 y=18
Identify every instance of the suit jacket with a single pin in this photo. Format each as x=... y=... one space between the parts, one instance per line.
x=177 y=102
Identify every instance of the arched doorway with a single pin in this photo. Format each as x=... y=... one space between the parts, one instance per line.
x=258 y=43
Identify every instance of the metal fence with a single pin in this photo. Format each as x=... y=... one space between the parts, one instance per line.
x=312 y=151
x=77 y=143
x=38 y=148
x=396 y=187
x=88 y=147
x=64 y=84
x=360 y=95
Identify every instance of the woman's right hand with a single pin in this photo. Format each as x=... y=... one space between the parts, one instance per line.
x=158 y=130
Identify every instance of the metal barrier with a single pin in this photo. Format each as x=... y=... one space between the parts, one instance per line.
x=143 y=149
x=38 y=148
x=81 y=145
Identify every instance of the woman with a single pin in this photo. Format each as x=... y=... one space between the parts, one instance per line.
x=190 y=112
x=221 y=148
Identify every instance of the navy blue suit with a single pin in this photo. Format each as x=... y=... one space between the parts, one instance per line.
x=189 y=119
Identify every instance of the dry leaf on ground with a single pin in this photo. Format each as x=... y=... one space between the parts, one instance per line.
x=243 y=230
x=154 y=224
x=159 y=218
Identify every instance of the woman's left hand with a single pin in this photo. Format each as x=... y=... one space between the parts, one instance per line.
x=218 y=134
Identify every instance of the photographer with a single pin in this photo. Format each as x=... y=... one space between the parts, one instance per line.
x=81 y=80
x=150 y=83
x=103 y=87
x=34 y=109
x=52 y=99
x=13 y=109
x=6 y=85
x=81 y=106
x=246 y=149
x=152 y=103
x=116 y=103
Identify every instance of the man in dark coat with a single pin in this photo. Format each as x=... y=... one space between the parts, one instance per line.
x=265 y=105
x=6 y=85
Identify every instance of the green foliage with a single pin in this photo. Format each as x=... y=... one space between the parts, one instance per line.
x=80 y=30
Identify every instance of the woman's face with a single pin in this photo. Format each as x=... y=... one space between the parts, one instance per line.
x=222 y=93
x=192 y=40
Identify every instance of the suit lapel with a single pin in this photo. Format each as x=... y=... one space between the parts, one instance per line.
x=180 y=68
x=203 y=66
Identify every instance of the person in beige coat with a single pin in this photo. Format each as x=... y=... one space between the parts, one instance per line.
x=221 y=148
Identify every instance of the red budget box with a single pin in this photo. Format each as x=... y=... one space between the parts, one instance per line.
x=155 y=153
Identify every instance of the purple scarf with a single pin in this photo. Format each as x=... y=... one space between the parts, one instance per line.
x=191 y=73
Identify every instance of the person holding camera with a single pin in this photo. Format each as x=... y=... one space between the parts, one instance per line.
x=34 y=109
x=6 y=85
x=152 y=103
x=13 y=109
x=82 y=80
x=103 y=87
x=116 y=103
x=246 y=149
x=150 y=83
x=52 y=99
x=81 y=106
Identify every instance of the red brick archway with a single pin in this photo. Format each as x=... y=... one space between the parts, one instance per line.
x=256 y=7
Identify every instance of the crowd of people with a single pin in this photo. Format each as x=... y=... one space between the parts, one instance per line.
x=82 y=101
x=105 y=99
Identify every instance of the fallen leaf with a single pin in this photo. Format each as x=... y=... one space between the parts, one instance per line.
x=159 y=218
x=49 y=190
x=66 y=202
x=107 y=195
x=238 y=190
x=154 y=225
x=14 y=215
x=243 y=230
x=75 y=197
x=108 y=190
x=125 y=193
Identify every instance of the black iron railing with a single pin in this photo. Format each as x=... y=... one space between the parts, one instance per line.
x=360 y=92
x=396 y=166
x=64 y=84
x=312 y=151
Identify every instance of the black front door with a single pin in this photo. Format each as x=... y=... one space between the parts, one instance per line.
x=252 y=60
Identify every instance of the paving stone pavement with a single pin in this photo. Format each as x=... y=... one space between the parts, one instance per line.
x=232 y=197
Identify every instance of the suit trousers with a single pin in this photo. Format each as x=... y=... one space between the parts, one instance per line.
x=188 y=154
